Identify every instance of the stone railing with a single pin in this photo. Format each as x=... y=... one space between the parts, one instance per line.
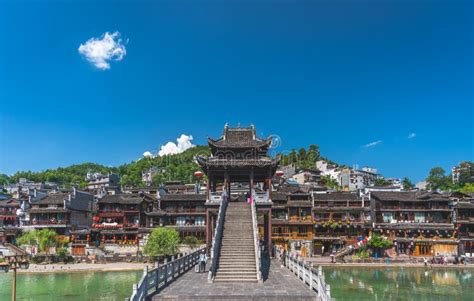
x=308 y=275
x=256 y=242
x=216 y=240
x=155 y=279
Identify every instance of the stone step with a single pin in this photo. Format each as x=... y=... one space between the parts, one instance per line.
x=240 y=260
x=235 y=279
x=236 y=250
x=247 y=268
x=245 y=248
x=237 y=256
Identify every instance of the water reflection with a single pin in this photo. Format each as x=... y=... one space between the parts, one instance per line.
x=358 y=283
x=107 y=286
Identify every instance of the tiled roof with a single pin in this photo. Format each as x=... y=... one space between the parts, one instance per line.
x=408 y=196
x=239 y=137
x=9 y=203
x=123 y=198
x=47 y=210
x=336 y=196
x=183 y=197
x=465 y=205
x=55 y=198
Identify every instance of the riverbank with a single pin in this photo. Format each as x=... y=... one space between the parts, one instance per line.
x=400 y=265
x=126 y=266
x=85 y=267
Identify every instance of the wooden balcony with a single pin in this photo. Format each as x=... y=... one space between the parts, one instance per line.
x=110 y=214
x=293 y=235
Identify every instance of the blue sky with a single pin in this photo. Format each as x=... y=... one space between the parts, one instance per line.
x=340 y=74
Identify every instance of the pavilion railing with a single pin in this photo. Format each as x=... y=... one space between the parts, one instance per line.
x=155 y=279
x=308 y=275
x=216 y=240
x=256 y=241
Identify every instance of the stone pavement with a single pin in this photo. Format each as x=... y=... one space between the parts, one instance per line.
x=279 y=284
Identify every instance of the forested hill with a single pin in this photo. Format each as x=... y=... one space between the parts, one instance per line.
x=171 y=167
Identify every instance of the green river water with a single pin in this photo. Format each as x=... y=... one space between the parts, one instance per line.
x=354 y=283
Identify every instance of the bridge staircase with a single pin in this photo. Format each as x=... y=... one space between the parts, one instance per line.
x=236 y=261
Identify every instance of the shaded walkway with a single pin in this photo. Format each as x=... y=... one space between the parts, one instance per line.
x=279 y=284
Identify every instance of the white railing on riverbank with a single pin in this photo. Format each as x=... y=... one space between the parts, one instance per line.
x=216 y=240
x=307 y=274
x=153 y=280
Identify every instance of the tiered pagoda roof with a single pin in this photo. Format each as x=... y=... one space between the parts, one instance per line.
x=239 y=138
x=239 y=150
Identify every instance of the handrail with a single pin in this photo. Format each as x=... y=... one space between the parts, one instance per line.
x=256 y=242
x=307 y=274
x=216 y=240
x=157 y=278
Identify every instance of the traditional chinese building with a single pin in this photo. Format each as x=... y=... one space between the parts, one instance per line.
x=239 y=160
x=292 y=219
x=340 y=219
x=464 y=222
x=180 y=208
x=116 y=222
x=419 y=223
x=62 y=212
x=9 y=220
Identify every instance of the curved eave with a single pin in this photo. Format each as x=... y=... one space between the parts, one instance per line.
x=259 y=143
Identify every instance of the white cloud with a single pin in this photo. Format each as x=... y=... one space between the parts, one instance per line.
x=148 y=154
x=184 y=142
x=411 y=135
x=372 y=144
x=101 y=51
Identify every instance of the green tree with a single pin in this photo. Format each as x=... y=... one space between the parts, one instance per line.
x=162 y=242
x=378 y=243
x=302 y=154
x=407 y=184
x=381 y=182
x=466 y=172
x=27 y=238
x=292 y=157
x=468 y=187
x=191 y=241
x=47 y=238
x=313 y=153
x=43 y=239
x=330 y=183
x=437 y=179
x=4 y=179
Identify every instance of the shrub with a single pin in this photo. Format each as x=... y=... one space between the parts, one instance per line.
x=191 y=241
x=162 y=242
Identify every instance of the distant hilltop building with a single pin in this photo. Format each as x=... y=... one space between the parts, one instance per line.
x=463 y=173
x=24 y=186
x=357 y=179
x=423 y=185
x=350 y=179
x=101 y=184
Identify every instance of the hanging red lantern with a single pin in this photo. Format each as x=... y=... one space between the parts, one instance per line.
x=198 y=174
x=279 y=173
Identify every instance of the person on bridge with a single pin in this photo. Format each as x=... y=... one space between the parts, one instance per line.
x=202 y=262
